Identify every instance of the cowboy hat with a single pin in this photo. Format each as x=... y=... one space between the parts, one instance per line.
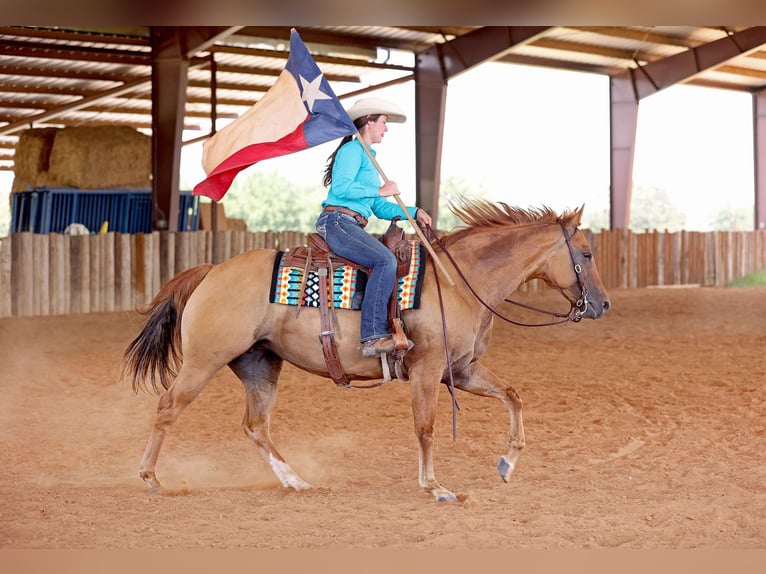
x=375 y=106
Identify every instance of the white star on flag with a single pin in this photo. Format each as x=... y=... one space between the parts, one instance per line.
x=312 y=93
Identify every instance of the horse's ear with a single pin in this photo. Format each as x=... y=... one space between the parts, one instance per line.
x=578 y=215
x=573 y=221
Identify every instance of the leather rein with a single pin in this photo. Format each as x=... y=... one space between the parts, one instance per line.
x=576 y=311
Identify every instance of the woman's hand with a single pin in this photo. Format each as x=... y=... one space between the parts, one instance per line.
x=423 y=218
x=388 y=189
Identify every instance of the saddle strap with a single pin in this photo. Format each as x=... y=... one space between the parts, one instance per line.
x=329 y=349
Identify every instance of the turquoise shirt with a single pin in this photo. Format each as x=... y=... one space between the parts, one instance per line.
x=355 y=185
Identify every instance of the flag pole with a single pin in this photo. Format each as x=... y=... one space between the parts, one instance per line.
x=406 y=211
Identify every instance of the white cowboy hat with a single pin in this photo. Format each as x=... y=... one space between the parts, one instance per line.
x=374 y=106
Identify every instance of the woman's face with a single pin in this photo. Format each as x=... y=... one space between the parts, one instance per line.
x=375 y=130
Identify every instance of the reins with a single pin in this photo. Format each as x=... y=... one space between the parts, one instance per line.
x=575 y=313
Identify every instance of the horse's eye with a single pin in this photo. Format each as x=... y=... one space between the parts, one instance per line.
x=587 y=255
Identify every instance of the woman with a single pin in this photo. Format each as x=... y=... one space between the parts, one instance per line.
x=355 y=193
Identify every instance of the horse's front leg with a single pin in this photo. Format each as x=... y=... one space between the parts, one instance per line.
x=483 y=382
x=259 y=370
x=425 y=393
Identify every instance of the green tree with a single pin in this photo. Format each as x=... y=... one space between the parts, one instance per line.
x=652 y=208
x=269 y=202
x=595 y=219
x=451 y=188
x=5 y=214
x=731 y=218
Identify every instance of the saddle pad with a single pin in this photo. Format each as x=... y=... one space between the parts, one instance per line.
x=347 y=284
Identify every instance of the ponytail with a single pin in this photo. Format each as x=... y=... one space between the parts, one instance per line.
x=327 y=179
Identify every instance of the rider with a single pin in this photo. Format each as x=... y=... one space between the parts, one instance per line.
x=355 y=193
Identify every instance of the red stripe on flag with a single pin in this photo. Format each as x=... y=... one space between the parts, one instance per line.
x=218 y=181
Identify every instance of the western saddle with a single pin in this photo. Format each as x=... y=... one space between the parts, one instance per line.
x=317 y=257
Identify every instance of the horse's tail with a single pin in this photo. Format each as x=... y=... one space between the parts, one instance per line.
x=156 y=352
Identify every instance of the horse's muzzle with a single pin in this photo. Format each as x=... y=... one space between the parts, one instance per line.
x=588 y=309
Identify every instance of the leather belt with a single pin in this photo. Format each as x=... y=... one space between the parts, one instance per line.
x=360 y=219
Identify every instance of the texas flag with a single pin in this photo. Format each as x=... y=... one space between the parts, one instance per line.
x=298 y=112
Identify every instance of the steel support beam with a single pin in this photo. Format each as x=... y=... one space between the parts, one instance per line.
x=759 y=149
x=628 y=88
x=433 y=70
x=172 y=49
x=169 y=76
x=623 y=124
x=430 y=104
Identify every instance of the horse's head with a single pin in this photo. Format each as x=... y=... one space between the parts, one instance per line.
x=572 y=270
x=547 y=246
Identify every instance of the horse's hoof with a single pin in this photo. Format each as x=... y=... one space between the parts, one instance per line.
x=445 y=496
x=505 y=467
x=151 y=480
x=299 y=484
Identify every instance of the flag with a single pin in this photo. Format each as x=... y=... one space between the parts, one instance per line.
x=298 y=112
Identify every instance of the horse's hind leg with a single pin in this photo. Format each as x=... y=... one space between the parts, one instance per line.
x=483 y=382
x=183 y=391
x=259 y=370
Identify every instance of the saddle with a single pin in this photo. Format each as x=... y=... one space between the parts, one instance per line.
x=317 y=257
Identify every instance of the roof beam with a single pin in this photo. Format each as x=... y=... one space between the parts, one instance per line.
x=76 y=53
x=68 y=74
x=285 y=54
x=583 y=48
x=660 y=74
x=333 y=38
x=75 y=36
x=196 y=39
x=481 y=45
x=79 y=104
x=229 y=86
x=638 y=35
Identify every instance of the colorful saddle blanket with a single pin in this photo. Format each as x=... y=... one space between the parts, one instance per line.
x=347 y=283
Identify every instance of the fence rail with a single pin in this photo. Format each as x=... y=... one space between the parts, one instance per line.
x=54 y=274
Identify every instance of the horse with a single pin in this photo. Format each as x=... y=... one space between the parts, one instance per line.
x=211 y=316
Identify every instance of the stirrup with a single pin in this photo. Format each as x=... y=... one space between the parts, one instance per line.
x=398 y=367
x=384 y=366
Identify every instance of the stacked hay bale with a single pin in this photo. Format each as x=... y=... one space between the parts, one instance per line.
x=32 y=158
x=99 y=157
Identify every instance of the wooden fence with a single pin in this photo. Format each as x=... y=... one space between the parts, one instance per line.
x=54 y=274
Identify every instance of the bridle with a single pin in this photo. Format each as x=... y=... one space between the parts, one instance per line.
x=576 y=311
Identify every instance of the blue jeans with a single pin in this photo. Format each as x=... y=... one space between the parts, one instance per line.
x=349 y=239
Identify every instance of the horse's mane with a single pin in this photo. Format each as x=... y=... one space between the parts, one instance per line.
x=482 y=213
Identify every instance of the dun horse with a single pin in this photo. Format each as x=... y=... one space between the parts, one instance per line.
x=191 y=324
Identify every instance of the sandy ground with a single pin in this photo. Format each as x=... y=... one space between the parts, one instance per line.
x=645 y=430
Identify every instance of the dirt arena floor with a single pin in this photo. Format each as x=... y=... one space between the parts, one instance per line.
x=645 y=430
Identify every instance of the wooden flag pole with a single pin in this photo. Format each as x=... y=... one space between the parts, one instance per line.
x=406 y=211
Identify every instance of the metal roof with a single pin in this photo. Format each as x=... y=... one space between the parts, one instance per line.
x=53 y=77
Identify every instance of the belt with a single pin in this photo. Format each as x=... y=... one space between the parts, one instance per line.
x=360 y=219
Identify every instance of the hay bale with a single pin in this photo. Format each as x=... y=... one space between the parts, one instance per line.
x=100 y=157
x=224 y=223
x=32 y=157
x=236 y=224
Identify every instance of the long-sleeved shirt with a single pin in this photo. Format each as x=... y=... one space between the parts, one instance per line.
x=355 y=185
